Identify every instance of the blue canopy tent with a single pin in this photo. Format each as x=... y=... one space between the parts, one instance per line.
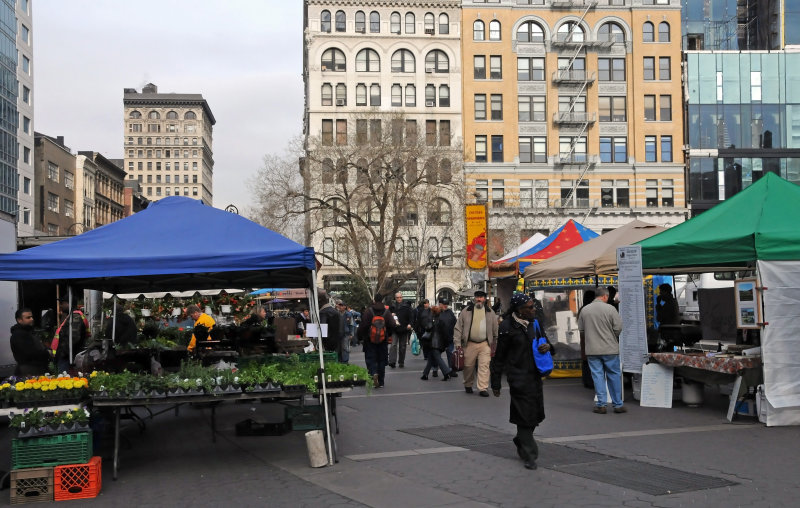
x=176 y=244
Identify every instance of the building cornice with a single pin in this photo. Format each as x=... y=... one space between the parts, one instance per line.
x=406 y=4
x=169 y=101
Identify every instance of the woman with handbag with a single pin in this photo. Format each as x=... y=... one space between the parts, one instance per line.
x=436 y=335
x=518 y=333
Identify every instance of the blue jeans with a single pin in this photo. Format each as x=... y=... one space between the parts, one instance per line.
x=435 y=360
x=606 y=369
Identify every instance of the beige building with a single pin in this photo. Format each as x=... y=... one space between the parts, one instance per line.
x=572 y=110
x=85 y=178
x=372 y=68
x=109 y=181
x=168 y=140
x=25 y=139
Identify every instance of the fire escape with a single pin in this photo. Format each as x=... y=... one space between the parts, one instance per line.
x=574 y=82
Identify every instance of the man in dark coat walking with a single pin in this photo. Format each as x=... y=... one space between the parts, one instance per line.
x=404 y=314
x=376 y=354
x=449 y=321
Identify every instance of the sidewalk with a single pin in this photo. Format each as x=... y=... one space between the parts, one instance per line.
x=427 y=443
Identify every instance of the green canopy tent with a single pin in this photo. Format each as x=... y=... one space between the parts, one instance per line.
x=756 y=229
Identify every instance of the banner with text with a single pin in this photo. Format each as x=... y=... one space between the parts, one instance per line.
x=633 y=340
x=476 y=236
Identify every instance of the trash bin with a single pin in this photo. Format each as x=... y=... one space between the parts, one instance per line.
x=315 y=442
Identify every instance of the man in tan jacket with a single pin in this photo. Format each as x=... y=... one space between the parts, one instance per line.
x=476 y=331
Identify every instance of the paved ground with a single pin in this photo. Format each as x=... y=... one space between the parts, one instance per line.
x=467 y=460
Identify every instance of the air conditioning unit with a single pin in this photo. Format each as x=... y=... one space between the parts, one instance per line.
x=429 y=31
x=361 y=30
x=340 y=102
x=430 y=104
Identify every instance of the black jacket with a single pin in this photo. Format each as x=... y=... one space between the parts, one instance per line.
x=514 y=357
x=405 y=315
x=30 y=354
x=328 y=314
x=448 y=320
x=126 y=329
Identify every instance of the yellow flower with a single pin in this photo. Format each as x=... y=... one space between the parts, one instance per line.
x=20 y=386
x=45 y=388
x=93 y=374
x=37 y=385
x=68 y=385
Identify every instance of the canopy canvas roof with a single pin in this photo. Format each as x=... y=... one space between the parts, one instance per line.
x=597 y=256
x=758 y=223
x=566 y=237
x=176 y=244
x=525 y=246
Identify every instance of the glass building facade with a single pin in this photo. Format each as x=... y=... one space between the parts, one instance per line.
x=9 y=180
x=743 y=120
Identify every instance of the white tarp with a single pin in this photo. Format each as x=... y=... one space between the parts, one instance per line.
x=780 y=338
x=174 y=294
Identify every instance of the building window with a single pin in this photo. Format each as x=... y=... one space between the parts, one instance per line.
x=497 y=148
x=572 y=149
x=651 y=193
x=411 y=138
x=665 y=112
x=172 y=115
x=437 y=61
x=755 y=85
x=26 y=185
x=69 y=180
x=341 y=94
x=190 y=115
x=26 y=216
x=526 y=193
x=575 y=195
x=481 y=191
x=26 y=64
x=570 y=31
x=444 y=136
x=497 y=106
x=479 y=67
x=52 y=229
x=649 y=68
x=440 y=213
x=532 y=149
x=666 y=148
x=403 y=61
x=664 y=68
x=531 y=108
x=327 y=133
x=480 y=106
x=52 y=202
x=667 y=198
x=52 y=172
x=341 y=132
x=444 y=24
x=333 y=60
x=611 y=32
x=411 y=95
x=663 y=32
x=650 y=149
x=135 y=127
x=614 y=193
x=571 y=104
x=478 y=30
x=480 y=148
x=430 y=132
x=341 y=21
x=530 y=31
x=410 y=23
x=361 y=94
x=446 y=251
x=375 y=94
x=498 y=194
x=361 y=22
x=374 y=22
x=611 y=69
x=428 y=22
x=430 y=96
x=26 y=94
x=324 y=22
x=613 y=149
x=26 y=155
x=394 y=23
x=613 y=109
x=495 y=67
x=327 y=251
x=494 y=30
x=367 y=60
x=444 y=96
x=650 y=108
x=194 y=191
x=26 y=125
x=530 y=69
x=647 y=32
x=397 y=95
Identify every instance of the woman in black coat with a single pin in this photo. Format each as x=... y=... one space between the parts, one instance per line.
x=435 y=338
x=514 y=356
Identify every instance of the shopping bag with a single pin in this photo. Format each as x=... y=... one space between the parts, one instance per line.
x=544 y=361
x=415 y=349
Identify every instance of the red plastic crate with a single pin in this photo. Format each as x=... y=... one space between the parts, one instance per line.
x=33 y=485
x=78 y=481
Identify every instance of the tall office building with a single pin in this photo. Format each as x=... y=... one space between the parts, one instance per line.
x=383 y=97
x=168 y=140
x=25 y=140
x=572 y=110
x=9 y=179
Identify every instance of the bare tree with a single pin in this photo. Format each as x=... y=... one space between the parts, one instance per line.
x=375 y=199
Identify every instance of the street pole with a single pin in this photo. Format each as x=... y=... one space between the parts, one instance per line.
x=433 y=262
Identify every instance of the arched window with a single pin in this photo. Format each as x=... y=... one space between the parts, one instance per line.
x=327 y=251
x=478 y=31
x=429 y=23
x=411 y=95
x=530 y=31
x=410 y=23
x=135 y=114
x=647 y=32
x=341 y=21
x=412 y=250
x=576 y=34
x=171 y=115
x=327 y=94
x=431 y=172
x=361 y=22
x=341 y=171
x=394 y=23
x=444 y=24
x=440 y=213
x=343 y=251
x=397 y=95
x=403 y=61
x=432 y=247
x=325 y=21
x=437 y=61
x=333 y=60
x=410 y=213
x=341 y=94
x=190 y=115
x=367 y=60
x=445 y=171
x=494 y=30
x=361 y=94
x=399 y=251
x=153 y=115
x=327 y=171
x=663 y=32
x=444 y=96
x=149 y=142
x=446 y=250
x=411 y=171
x=374 y=22
x=611 y=32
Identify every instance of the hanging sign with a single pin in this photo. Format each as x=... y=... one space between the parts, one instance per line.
x=476 y=236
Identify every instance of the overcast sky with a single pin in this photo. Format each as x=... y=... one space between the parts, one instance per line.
x=244 y=56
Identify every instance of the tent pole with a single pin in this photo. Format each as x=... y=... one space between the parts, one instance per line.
x=114 y=322
x=69 y=290
x=314 y=305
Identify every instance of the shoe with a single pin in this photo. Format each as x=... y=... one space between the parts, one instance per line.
x=531 y=465
x=424 y=377
x=621 y=409
x=484 y=393
x=375 y=380
x=391 y=365
x=382 y=385
x=400 y=366
x=601 y=410
x=435 y=373
x=468 y=389
x=519 y=448
x=446 y=377
x=453 y=373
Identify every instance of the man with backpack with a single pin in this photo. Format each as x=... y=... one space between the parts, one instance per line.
x=375 y=331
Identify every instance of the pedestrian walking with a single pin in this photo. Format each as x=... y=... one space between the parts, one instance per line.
x=475 y=332
x=601 y=325
x=423 y=320
x=514 y=357
x=449 y=323
x=437 y=338
x=375 y=331
x=403 y=315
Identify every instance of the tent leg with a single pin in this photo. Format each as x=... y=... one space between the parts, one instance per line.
x=314 y=305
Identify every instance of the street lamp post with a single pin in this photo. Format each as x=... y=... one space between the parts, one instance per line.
x=433 y=262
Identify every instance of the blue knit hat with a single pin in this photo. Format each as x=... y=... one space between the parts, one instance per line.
x=518 y=300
